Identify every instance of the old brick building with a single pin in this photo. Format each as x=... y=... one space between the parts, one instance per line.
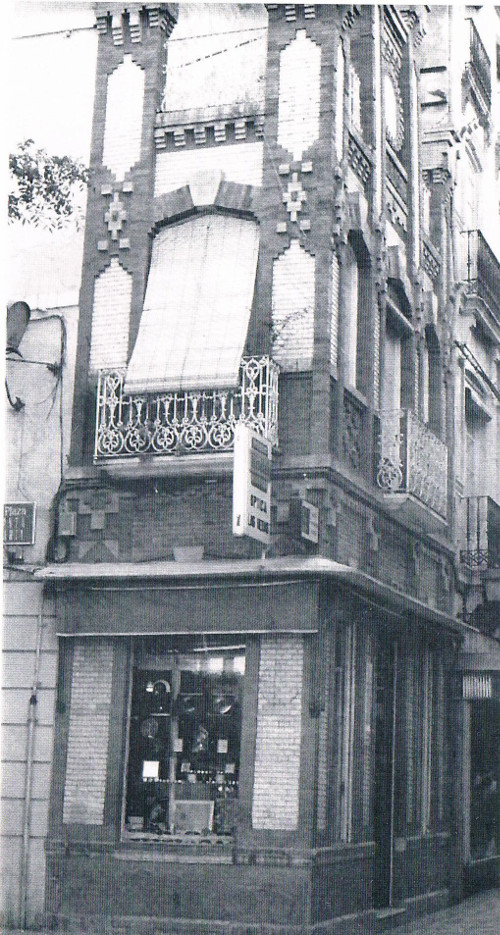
x=259 y=732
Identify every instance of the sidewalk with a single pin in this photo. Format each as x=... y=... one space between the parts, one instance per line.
x=478 y=915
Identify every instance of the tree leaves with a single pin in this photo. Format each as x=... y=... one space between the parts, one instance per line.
x=44 y=188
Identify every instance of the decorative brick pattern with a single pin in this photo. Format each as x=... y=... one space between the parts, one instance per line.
x=299 y=95
x=277 y=754
x=85 y=783
x=124 y=105
x=240 y=162
x=294 y=197
x=334 y=312
x=293 y=308
x=110 y=319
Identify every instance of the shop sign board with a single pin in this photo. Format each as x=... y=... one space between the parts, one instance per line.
x=18 y=523
x=304 y=520
x=252 y=485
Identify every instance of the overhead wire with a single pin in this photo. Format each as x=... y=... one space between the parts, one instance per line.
x=68 y=32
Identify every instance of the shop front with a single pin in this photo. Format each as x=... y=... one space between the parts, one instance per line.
x=245 y=746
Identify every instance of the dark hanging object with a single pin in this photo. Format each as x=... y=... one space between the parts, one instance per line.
x=18 y=316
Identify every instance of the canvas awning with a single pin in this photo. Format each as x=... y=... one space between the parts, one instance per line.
x=197 y=306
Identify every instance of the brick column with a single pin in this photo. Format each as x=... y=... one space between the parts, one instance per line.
x=299 y=188
x=129 y=84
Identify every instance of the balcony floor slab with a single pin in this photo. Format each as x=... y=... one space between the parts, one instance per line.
x=168 y=465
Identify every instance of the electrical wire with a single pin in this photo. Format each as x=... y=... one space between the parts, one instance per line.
x=207 y=35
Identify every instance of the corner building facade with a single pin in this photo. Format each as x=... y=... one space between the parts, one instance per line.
x=248 y=739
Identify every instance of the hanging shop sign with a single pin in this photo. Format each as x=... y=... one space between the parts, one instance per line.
x=18 y=523
x=251 y=485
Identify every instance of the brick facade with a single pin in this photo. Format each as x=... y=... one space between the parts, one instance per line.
x=293 y=308
x=324 y=730
x=110 y=318
x=277 y=755
x=87 y=761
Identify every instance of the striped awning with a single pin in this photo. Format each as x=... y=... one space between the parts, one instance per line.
x=197 y=306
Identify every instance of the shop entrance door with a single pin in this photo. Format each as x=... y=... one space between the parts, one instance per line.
x=385 y=737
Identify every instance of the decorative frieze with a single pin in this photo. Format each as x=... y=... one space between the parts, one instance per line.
x=117 y=28
x=430 y=263
x=396 y=209
x=350 y=17
x=134 y=25
x=117 y=23
x=173 y=131
x=358 y=161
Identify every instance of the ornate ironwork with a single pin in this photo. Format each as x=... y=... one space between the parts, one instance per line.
x=479 y=67
x=483 y=271
x=430 y=261
x=412 y=460
x=185 y=422
x=481 y=533
x=352 y=436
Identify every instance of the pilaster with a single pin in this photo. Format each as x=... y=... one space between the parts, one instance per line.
x=131 y=59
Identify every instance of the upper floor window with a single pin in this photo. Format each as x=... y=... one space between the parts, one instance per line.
x=357 y=306
x=195 y=318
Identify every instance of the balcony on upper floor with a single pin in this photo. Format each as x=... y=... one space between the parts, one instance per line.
x=412 y=466
x=481 y=273
x=154 y=426
x=478 y=71
x=480 y=539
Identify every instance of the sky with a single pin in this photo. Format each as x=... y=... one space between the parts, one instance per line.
x=56 y=113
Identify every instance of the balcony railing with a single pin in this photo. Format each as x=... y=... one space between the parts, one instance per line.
x=185 y=421
x=481 y=534
x=479 y=67
x=482 y=270
x=412 y=460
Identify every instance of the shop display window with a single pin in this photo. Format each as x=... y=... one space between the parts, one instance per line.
x=184 y=740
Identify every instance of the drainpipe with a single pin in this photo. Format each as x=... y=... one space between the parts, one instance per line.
x=28 y=783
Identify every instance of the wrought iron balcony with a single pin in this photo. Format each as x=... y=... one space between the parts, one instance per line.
x=478 y=70
x=412 y=461
x=185 y=421
x=482 y=271
x=481 y=534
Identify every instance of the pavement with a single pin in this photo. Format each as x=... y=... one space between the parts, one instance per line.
x=478 y=915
